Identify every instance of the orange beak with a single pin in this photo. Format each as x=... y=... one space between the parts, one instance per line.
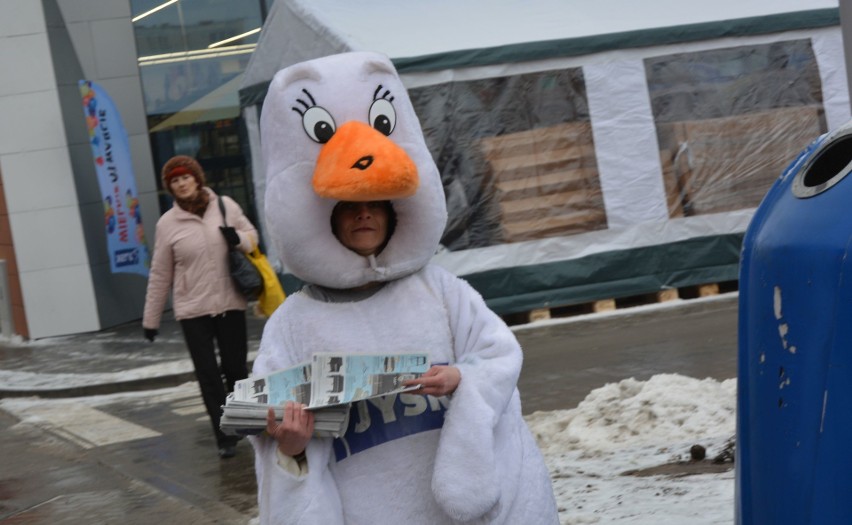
x=360 y=164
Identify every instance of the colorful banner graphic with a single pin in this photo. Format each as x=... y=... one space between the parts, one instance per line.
x=126 y=245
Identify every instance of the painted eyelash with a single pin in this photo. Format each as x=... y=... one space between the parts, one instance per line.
x=385 y=95
x=305 y=104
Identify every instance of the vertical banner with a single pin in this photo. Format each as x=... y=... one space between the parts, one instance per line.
x=126 y=245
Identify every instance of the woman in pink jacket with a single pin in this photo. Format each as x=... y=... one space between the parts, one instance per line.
x=190 y=258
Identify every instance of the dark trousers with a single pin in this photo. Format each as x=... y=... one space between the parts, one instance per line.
x=229 y=332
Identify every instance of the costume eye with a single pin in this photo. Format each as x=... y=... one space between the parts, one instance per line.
x=318 y=124
x=382 y=116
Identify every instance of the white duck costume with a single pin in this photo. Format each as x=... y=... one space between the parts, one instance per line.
x=343 y=128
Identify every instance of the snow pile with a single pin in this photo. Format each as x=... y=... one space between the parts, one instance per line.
x=634 y=425
x=668 y=408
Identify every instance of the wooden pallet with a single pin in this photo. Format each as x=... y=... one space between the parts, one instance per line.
x=546 y=181
x=725 y=164
x=605 y=305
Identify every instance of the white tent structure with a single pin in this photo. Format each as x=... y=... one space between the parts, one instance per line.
x=589 y=150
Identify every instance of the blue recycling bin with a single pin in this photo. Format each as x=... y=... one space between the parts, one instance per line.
x=794 y=399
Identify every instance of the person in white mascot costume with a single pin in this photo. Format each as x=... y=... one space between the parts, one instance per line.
x=342 y=128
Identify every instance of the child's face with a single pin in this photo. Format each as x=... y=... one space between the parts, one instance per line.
x=361 y=226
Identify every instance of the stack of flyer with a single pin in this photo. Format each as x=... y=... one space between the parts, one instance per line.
x=327 y=385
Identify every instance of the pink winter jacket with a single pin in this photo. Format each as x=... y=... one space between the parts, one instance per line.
x=191 y=258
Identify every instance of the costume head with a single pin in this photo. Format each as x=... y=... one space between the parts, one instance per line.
x=342 y=128
x=181 y=165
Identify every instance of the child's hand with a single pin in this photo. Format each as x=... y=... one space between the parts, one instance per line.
x=295 y=429
x=437 y=381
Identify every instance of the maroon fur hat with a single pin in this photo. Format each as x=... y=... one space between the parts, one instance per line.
x=180 y=165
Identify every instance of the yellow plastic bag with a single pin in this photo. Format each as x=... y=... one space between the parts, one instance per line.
x=273 y=294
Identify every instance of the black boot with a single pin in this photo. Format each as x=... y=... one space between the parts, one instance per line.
x=228 y=447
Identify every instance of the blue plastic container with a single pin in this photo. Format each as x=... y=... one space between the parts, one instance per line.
x=794 y=420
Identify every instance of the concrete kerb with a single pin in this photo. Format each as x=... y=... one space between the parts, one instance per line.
x=114 y=360
x=147 y=383
x=182 y=372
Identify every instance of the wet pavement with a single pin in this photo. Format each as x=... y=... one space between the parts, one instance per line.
x=49 y=477
x=109 y=428
x=564 y=361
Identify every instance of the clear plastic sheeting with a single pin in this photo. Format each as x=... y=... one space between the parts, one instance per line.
x=519 y=161
x=730 y=120
x=516 y=155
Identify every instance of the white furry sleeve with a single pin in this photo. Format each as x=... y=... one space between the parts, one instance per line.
x=489 y=358
x=284 y=498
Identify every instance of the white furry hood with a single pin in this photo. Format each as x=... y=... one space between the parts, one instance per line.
x=349 y=87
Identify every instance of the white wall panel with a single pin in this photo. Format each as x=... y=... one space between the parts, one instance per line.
x=32 y=121
x=20 y=73
x=49 y=185
x=48 y=238
x=81 y=38
x=59 y=301
x=21 y=17
x=115 y=48
x=85 y=10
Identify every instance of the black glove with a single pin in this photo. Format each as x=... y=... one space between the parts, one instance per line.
x=230 y=235
x=151 y=333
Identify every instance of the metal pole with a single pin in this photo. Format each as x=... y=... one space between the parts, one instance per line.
x=846 y=31
x=7 y=328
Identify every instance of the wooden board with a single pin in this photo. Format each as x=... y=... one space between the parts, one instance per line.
x=546 y=181
x=727 y=164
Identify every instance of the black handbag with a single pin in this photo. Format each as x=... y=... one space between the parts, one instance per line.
x=246 y=277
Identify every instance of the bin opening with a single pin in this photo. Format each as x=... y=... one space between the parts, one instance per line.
x=827 y=168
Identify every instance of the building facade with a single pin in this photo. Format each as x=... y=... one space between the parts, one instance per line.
x=172 y=71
